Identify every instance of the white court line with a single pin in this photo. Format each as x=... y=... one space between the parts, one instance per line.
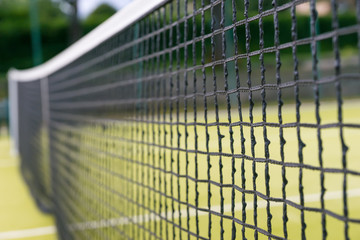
x=8 y=165
x=309 y=198
x=26 y=233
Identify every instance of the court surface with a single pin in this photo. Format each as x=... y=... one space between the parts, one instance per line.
x=113 y=169
x=19 y=216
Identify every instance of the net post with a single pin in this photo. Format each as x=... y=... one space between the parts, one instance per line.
x=14 y=115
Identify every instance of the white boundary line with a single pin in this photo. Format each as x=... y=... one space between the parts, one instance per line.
x=34 y=232
x=9 y=162
x=309 y=198
x=8 y=165
x=119 y=21
x=26 y=233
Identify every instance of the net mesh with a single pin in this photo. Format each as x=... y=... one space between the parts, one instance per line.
x=204 y=119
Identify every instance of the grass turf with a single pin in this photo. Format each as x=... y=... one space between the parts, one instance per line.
x=102 y=159
x=18 y=210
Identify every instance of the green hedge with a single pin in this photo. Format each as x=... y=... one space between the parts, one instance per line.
x=303 y=31
x=15 y=43
x=324 y=25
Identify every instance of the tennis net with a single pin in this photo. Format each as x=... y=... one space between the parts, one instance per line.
x=199 y=119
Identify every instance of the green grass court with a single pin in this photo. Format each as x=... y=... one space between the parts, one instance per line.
x=90 y=168
x=19 y=212
x=19 y=216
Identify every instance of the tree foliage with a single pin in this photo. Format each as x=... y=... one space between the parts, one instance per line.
x=15 y=32
x=15 y=41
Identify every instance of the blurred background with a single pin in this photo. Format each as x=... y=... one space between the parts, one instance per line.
x=34 y=31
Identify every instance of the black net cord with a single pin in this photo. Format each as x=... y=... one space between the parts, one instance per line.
x=172 y=128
